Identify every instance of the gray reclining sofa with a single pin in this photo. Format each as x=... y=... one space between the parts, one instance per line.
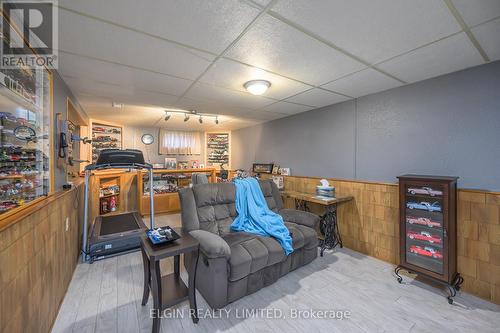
x=234 y=264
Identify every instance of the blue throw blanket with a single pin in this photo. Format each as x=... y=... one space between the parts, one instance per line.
x=254 y=216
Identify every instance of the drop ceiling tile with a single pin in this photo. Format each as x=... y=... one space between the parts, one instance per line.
x=372 y=30
x=488 y=36
x=209 y=25
x=118 y=93
x=85 y=36
x=232 y=75
x=287 y=108
x=231 y=98
x=275 y=46
x=317 y=98
x=95 y=70
x=477 y=11
x=449 y=55
x=367 y=81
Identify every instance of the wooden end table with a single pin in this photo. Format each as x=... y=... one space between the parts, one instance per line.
x=328 y=221
x=169 y=290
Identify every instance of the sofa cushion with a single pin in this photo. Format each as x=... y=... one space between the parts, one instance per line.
x=251 y=253
x=302 y=236
x=215 y=206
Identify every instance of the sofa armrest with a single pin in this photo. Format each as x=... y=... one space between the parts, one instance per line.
x=212 y=245
x=300 y=217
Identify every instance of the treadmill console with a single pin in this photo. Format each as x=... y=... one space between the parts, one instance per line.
x=120 y=156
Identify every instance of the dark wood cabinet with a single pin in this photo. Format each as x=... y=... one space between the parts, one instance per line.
x=428 y=228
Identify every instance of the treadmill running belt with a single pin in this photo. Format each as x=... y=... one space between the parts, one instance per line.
x=118 y=223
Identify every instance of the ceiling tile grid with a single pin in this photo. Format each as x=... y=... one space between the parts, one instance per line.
x=287 y=108
x=277 y=47
x=477 y=11
x=317 y=97
x=443 y=57
x=209 y=25
x=312 y=52
x=367 y=81
x=488 y=35
x=372 y=30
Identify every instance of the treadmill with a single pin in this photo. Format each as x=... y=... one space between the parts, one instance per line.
x=118 y=233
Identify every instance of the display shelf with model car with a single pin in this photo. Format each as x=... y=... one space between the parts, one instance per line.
x=105 y=136
x=428 y=229
x=218 y=149
x=25 y=129
x=166 y=184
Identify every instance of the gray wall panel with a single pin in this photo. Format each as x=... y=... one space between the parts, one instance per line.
x=448 y=125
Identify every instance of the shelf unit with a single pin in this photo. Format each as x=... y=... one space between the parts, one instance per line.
x=218 y=150
x=105 y=136
x=428 y=229
x=166 y=183
x=25 y=137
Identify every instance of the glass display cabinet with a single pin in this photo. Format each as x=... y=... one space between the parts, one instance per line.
x=25 y=136
x=166 y=184
x=105 y=136
x=428 y=229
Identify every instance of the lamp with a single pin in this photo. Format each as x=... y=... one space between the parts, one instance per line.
x=216 y=120
x=200 y=120
x=167 y=116
x=257 y=87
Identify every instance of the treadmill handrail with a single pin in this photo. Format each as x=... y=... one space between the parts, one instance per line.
x=119 y=166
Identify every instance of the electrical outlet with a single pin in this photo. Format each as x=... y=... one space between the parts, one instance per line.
x=67 y=224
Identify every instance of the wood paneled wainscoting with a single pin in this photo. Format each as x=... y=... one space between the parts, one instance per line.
x=38 y=254
x=370 y=224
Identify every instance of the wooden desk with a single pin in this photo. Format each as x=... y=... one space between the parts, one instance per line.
x=169 y=290
x=328 y=222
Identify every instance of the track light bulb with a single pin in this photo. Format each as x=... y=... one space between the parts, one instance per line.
x=200 y=120
x=167 y=116
x=186 y=117
x=216 y=120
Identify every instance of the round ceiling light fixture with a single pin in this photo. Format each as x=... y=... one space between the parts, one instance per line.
x=257 y=87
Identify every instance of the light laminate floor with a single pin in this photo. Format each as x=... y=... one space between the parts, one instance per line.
x=106 y=297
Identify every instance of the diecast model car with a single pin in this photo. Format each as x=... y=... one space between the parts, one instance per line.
x=434 y=207
x=422 y=221
x=426 y=251
x=424 y=236
x=425 y=190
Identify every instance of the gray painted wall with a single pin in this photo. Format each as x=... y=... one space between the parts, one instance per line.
x=449 y=125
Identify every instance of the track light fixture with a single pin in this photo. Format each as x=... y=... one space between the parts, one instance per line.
x=188 y=113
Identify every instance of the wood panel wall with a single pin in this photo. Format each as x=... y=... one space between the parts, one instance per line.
x=37 y=259
x=370 y=224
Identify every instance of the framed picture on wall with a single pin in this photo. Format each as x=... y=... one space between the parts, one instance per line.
x=183 y=165
x=262 y=167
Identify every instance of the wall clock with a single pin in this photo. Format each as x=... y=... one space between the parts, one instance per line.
x=147 y=139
